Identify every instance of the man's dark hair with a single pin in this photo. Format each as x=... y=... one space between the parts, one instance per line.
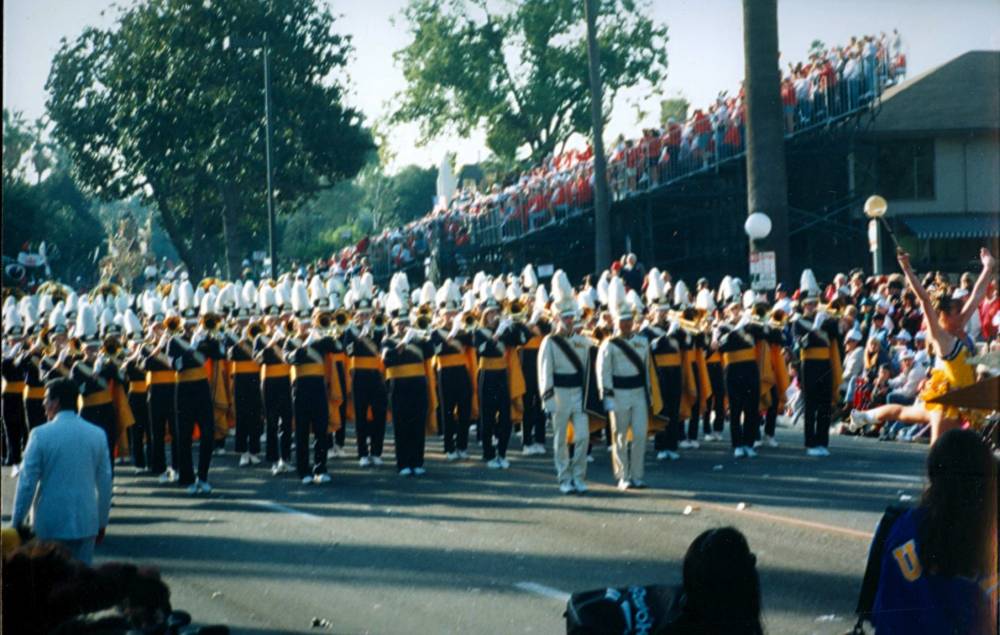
x=64 y=391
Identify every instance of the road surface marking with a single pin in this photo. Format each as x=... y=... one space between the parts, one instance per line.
x=919 y=480
x=808 y=524
x=544 y=591
x=285 y=509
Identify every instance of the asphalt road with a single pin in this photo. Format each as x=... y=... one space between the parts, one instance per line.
x=470 y=550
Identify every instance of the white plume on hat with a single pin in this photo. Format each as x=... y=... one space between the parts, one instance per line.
x=185 y=296
x=300 y=297
x=499 y=290
x=585 y=301
x=10 y=304
x=528 y=278
x=705 y=301
x=335 y=285
x=807 y=282
x=131 y=323
x=541 y=299
x=749 y=299
x=617 y=302
x=57 y=317
x=427 y=292
x=468 y=300
x=682 y=296
x=317 y=290
x=45 y=304
x=654 y=286
x=266 y=297
x=11 y=319
x=29 y=312
x=395 y=302
x=602 y=288
x=635 y=301
x=86 y=322
x=561 y=287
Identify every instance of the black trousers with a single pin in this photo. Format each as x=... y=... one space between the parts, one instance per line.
x=771 y=418
x=340 y=436
x=193 y=404
x=533 y=424
x=692 y=427
x=817 y=387
x=408 y=397
x=717 y=402
x=137 y=434
x=34 y=413
x=455 y=396
x=743 y=389
x=248 y=412
x=370 y=392
x=494 y=413
x=670 y=392
x=103 y=416
x=312 y=414
x=277 y=401
x=160 y=407
x=15 y=433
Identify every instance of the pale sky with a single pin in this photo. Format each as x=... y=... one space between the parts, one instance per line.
x=705 y=50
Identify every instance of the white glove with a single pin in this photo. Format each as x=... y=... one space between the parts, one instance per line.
x=455 y=330
x=549 y=406
x=609 y=404
x=820 y=318
x=407 y=337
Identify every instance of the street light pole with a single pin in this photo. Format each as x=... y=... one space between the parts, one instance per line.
x=267 y=147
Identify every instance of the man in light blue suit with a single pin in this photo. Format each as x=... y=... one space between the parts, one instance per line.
x=65 y=476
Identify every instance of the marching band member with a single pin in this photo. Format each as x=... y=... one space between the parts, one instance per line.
x=276 y=386
x=161 y=389
x=737 y=340
x=361 y=342
x=135 y=377
x=697 y=387
x=666 y=352
x=193 y=395
x=533 y=421
x=246 y=371
x=305 y=352
x=103 y=401
x=715 y=404
x=500 y=382
x=627 y=387
x=454 y=378
x=563 y=360
x=816 y=342
x=407 y=355
x=14 y=429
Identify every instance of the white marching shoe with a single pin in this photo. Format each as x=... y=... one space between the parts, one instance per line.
x=566 y=487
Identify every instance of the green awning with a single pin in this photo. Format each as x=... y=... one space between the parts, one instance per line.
x=955 y=225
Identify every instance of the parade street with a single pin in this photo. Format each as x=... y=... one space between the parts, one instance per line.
x=469 y=550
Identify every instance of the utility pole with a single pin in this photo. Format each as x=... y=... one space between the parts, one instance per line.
x=767 y=183
x=267 y=146
x=602 y=211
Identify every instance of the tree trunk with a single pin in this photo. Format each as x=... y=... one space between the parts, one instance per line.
x=602 y=211
x=232 y=230
x=767 y=185
x=193 y=259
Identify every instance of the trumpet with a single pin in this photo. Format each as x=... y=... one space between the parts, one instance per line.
x=423 y=322
x=254 y=329
x=341 y=318
x=210 y=322
x=469 y=321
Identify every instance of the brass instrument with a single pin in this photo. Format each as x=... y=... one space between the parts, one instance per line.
x=324 y=322
x=208 y=283
x=469 y=321
x=515 y=309
x=164 y=289
x=423 y=322
x=425 y=309
x=378 y=321
x=341 y=319
x=104 y=290
x=254 y=329
x=210 y=322
x=111 y=346
x=173 y=324
x=57 y=290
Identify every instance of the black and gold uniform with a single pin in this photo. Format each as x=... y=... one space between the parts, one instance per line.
x=370 y=398
x=406 y=370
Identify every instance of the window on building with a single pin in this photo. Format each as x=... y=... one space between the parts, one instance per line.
x=906 y=169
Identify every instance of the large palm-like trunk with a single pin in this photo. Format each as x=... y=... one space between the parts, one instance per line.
x=767 y=185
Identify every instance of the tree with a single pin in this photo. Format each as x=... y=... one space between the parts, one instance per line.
x=157 y=107
x=17 y=140
x=675 y=108
x=415 y=188
x=521 y=74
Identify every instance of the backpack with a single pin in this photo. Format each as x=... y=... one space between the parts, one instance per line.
x=634 y=610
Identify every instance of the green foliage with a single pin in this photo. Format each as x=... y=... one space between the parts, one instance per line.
x=675 y=108
x=17 y=140
x=157 y=107
x=365 y=205
x=520 y=73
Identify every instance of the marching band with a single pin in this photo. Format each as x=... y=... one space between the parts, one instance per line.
x=295 y=360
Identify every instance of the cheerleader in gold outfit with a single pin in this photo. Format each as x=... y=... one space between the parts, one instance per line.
x=945 y=319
